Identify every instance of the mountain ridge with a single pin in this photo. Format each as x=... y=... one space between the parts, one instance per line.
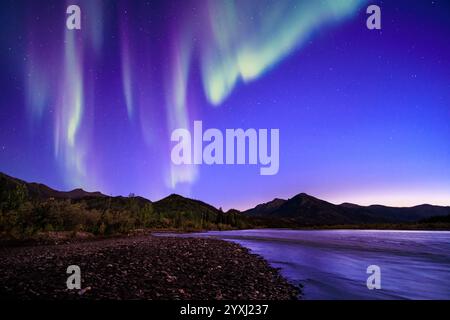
x=308 y=210
x=39 y=190
x=301 y=209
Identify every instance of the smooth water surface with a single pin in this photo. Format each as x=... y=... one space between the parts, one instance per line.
x=332 y=264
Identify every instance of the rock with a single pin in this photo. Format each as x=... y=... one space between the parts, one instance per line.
x=83 y=291
x=142 y=267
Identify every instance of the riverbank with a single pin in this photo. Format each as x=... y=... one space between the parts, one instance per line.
x=141 y=267
x=332 y=264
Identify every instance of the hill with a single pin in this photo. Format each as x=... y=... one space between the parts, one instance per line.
x=30 y=208
x=41 y=191
x=27 y=209
x=305 y=210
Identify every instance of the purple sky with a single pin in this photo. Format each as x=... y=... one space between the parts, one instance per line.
x=364 y=116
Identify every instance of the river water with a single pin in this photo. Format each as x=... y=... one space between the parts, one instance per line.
x=332 y=264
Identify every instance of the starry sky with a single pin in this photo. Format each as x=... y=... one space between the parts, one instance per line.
x=363 y=114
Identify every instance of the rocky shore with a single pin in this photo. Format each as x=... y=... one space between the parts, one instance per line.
x=141 y=267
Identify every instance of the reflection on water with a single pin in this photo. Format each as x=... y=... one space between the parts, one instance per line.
x=331 y=264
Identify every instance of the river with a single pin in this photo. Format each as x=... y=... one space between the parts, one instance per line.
x=332 y=264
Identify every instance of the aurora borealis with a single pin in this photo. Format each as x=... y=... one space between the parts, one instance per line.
x=363 y=114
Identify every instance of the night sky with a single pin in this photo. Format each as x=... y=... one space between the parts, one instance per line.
x=364 y=115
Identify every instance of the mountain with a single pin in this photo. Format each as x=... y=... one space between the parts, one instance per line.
x=171 y=206
x=29 y=209
x=93 y=200
x=407 y=214
x=306 y=210
x=41 y=191
x=199 y=214
x=266 y=208
x=301 y=210
x=437 y=219
x=176 y=204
